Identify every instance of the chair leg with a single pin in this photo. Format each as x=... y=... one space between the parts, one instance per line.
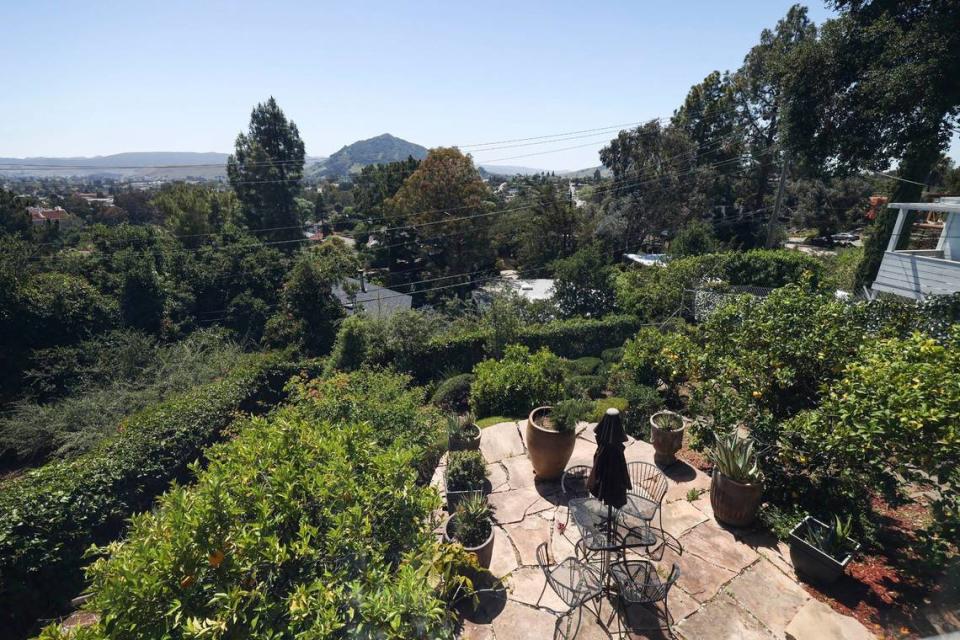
x=569 y=619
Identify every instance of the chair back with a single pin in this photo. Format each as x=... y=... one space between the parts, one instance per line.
x=647 y=480
x=671 y=580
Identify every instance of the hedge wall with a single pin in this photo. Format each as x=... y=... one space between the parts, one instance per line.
x=50 y=516
x=460 y=352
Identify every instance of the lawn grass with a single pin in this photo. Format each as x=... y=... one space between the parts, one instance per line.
x=492 y=420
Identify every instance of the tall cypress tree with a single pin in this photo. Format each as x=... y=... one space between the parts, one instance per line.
x=265 y=171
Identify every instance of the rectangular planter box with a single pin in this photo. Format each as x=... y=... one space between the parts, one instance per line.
x=810 y=563
x=455 y=497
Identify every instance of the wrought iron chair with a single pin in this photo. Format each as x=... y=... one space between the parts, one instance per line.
x=639 y=583
x=574 y=482
x=574 y=581
x=648 y=488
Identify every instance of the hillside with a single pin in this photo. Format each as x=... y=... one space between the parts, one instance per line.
x=381 y=149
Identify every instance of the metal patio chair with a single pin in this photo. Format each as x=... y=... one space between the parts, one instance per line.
x=648 y=488
x=574 y=581
x=639 y=583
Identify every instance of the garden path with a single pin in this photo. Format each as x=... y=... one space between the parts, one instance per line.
x=733 y=584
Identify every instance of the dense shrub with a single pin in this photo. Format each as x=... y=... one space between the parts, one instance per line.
x=600 y=407
x=111 y=377
x=591 y=387
x=653 y=357
x=453 y=394
x=411 y=343
x=49 y=516
x=586 y=366
x=516 y=384
x=655 y=293
x=612 y=355
x=642 y=402
x=466 y=470
x=309 y=524
x=893 y=417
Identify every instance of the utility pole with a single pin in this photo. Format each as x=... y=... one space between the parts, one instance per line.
x=778 y=203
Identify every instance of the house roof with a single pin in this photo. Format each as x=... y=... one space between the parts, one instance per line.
x=377 y=301
x=40 y=214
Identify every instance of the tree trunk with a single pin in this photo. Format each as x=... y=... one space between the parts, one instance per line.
x=915 y=166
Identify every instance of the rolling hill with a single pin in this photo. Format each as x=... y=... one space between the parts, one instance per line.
x=381 y=149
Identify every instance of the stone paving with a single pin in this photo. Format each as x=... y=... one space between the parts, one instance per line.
x=733 y=583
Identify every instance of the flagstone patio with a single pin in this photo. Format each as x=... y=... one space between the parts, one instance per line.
x=733 y=583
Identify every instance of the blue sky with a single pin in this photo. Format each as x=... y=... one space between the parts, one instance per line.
x=95 y=78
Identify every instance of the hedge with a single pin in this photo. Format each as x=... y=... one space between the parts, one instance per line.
x=50 y=516
x=573 y=338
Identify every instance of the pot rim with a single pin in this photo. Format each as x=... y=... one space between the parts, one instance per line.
x=717 y=472
x=449 y=538
x=553 y=432
x=796 y=538
x=683 y=421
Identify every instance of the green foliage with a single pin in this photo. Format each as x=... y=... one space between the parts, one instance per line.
x=583 y=284
x=309 y=311
x=642 y=402
x=466 y=471
x=654 y=357
x=586 y=366
x=453 y=394
x=565 y=415
x=591 y=387
x=472 y=524
x=613 y=402
x=735 y=458
x=265 y=172
x=612 y=355
x=656 y=293
x=516 y=384
x=834 y=539
x=110 y=377
x=49 y=516
x=460 y=431
x=62 y=308
x=841 y=269
x=892 y=416
x=305 y=525
x=694 y=239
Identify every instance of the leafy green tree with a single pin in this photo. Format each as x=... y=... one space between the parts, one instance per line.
x=656 y=166
x=14 y=218
x=547 y=232
x=309 y=312
x=440 y=210
x=265 y=172
x=878 y=86
x=583 y=284
x=694 y=239
x=187 y=211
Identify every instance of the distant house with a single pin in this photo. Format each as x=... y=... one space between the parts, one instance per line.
x=374 y=300
x=42 y=215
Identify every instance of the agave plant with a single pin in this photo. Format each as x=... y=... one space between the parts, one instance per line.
x=833 y=540
x=735 y=458
x=472 y=525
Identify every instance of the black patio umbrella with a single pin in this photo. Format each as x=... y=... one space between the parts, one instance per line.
x=609 y=478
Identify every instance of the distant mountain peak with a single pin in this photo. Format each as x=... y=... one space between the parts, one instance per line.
x=380 y=149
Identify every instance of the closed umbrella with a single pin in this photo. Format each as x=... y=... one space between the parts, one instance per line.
x=609 y=478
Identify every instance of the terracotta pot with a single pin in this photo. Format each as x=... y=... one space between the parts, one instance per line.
x=483 y=552
x=666 y=442
x=471 y=444
x=734 y=503
x=548 y=450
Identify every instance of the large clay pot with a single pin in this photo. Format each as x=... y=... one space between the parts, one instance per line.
x=734 y=503
x=483 y=552
x=666 y=442
x=549 y=450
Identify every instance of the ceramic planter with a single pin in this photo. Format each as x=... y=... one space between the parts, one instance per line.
x=812 y=564
x=548 y=450
x=666 y=442
x=734 y=503
x=483 y=552
x=469 y=444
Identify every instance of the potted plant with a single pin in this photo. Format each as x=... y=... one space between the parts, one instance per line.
x=666 y=435
x=551 y=436
x=466 y=472
x=471 y=526
x=736 y=486
x=821 y=552
x=463 y=434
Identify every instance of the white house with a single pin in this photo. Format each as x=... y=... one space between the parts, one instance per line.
x=930 y=263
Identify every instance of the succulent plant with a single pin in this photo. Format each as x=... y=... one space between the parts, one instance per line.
x=466 y=471
x=735 y=458
x=833 y=540
x=471 y=526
